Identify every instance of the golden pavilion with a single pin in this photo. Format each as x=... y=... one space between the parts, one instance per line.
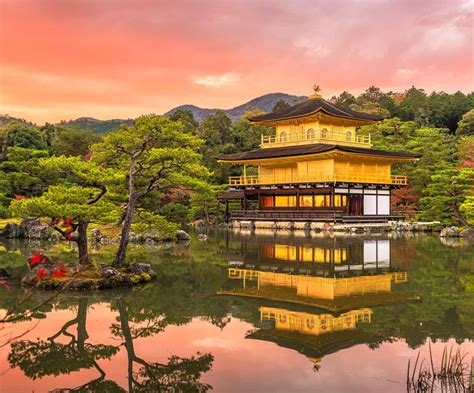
x=316 y=167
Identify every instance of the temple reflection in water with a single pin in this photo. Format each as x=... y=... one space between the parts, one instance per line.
x=315 y=293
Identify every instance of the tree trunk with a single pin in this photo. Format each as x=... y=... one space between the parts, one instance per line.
x=84 y=258
x=127 y=335
x=82 y=335
x=459 y=216
x=119 y=260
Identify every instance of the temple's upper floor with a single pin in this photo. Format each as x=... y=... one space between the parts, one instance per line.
x=315 y=121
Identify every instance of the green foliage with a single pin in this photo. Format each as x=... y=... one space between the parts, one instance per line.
x=466 y=124
x=23 y=135
x=281 y=106
x=465 y=151
x=66 y=201
x=224 y=137
x=467 y=209
x=204 y=204
x=186 y=118
x=446 y=194
x=72 y=142
x=175 y=212
x=145 y=220
x=20 y=172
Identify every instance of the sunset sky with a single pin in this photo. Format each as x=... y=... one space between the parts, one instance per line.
x=119 y=59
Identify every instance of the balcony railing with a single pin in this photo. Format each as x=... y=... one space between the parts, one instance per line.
x=347 y=138
x=295 y=178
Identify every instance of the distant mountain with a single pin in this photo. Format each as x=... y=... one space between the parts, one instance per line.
x=264 y=103
x=5 y=119
x=95 y=125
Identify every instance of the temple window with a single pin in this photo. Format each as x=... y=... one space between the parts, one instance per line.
x=267 y=201
x=310 y=324
x=322 y=200
x=324 y=133
x=340 y=200
x=310 y=134
x=348 y=136
x=283 y=137
x=282 y=318
x=285 y=201
x=306 y=200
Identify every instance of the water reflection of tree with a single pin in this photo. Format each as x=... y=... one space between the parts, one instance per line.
x=49 y=357
x=178 y=374
x=443 y=278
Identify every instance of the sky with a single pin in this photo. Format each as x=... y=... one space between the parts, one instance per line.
x=106 y=59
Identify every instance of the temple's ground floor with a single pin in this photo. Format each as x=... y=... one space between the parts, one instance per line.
x=318 y=203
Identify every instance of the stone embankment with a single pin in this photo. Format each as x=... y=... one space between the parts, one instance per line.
x=362 y=228
x=34 y=229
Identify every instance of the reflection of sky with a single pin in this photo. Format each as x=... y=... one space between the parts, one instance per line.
x=240 y=365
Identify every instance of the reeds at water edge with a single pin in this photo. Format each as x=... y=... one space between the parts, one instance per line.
x=454 y=374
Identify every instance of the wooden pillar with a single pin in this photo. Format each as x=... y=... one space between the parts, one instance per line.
x=245 y=174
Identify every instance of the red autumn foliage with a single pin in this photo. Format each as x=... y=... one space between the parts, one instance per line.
x=67 y=222
x=35 y=259
x=41 y=273
x=404 y=201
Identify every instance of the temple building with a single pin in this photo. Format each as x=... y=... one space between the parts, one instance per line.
x=316 y=167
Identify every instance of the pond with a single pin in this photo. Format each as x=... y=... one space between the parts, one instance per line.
x=245 y=312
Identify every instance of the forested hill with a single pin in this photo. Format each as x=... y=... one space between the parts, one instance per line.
x=95 y=125
x=263 y=103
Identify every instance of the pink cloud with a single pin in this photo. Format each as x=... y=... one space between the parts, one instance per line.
x=121 y=59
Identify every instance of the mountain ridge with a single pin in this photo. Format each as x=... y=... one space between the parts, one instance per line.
x=264 y=103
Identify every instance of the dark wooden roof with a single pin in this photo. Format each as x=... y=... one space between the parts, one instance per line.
x=302 y=150
x=231 y=195
x=314 y=105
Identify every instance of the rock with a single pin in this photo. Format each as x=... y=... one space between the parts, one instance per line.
x=117 y=281
x=182 y=235
x=468 y=232
x=54 y=237
x=133 y=237
x=202 y=237
x=82 y=284
x=149 y=241
x=12 y=231
x=200 y=223
x=152 y=234
x=137 y=268
x=96 y=235
x=39 y=232
x=4 y=274
x=449 y=232
x=29 y=222
x=107 y=271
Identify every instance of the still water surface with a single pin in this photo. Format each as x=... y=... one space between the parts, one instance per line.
x=246 y=312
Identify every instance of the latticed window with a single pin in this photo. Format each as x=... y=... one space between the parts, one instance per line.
x=348 y=136
x=310 y=134
x=283 y=137
x=324 y=133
